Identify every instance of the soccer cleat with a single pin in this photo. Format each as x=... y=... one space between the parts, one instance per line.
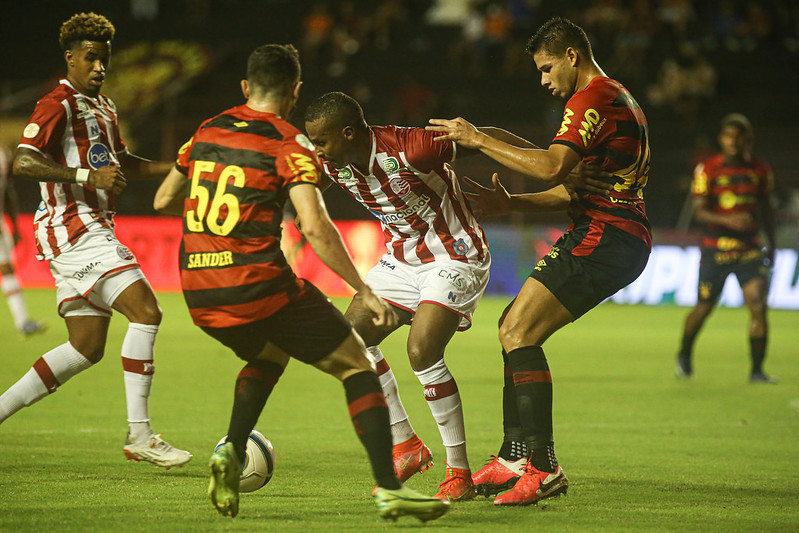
x=457 y=485
x=157 y=451
x=760 y=377
x=410 y=457
x=391 y=504
x=32 y=327
x=683 y=369
x=498 y=475
x=223 y=489
x=533 y=486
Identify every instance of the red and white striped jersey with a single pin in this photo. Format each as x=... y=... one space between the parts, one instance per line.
x=77 y=131
x=424 y=214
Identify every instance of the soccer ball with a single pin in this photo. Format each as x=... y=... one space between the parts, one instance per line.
x=259 y=463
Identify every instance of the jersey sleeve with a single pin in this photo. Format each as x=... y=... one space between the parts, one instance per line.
x=297 y=162
x=699 y=186
x=423 y=152
x=586 y=122
x=45 y=127
x=182 y=162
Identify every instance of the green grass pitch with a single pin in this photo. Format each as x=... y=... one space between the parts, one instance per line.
x=642 y=450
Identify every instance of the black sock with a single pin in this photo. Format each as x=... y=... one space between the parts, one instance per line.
x=543 y=458
x=533 y=385
x=513 y=446
x=757 y=348
x=369 y=413
x=687 y=344
x=253 y=386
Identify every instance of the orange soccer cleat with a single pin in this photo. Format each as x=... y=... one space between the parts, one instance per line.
x=533 y=486
x=498 y=475
x=411 y=456
x=457 y=486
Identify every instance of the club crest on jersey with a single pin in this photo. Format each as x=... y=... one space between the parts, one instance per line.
x=124 y=253
x=460 y=247
x=98 y=156
x=399 y=186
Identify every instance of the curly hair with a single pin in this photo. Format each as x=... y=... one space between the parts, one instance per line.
x=85 y=27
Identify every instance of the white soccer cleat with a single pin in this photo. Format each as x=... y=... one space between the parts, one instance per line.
x=157 y=451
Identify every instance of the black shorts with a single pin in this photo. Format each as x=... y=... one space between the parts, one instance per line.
x=715 y=266
x=308 y=328
x=581 y=282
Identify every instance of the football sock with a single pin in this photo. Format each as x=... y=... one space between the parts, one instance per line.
x=16 y=304
x=534 y=395
x=757 y=348
x=687 y=344
x=513 y=446
x=253 y=387
x=49 y=372
x=543 y=458
x=401 y=429
x=369 y=414
x=513 y=449
x=138 y=367
x=444 y=401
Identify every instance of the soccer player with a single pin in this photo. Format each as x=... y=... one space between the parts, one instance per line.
x=732 y=202
x=243 y=165
x=605 y=248
x=72 y=146
x=433 y=273
x=10 y=285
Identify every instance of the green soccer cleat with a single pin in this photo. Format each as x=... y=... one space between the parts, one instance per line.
x=223 y=488
x=391 y=504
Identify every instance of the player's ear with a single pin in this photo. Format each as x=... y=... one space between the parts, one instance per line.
x=69 y=57
x=245 y=89
x=572 y=56
x=348 y=132
x=297 y=89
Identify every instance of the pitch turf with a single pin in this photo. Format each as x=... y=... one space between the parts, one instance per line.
x=643 y=451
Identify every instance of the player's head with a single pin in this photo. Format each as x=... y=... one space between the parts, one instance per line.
x=273 y=73
x=335 y=124
x=735 y=135
x=560 y=48
x=86 y=42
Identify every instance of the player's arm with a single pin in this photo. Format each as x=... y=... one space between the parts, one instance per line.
x=33 y=165
x=487 y=202
x=139 y=168
x=171 y=194
x=769 y=226
x=12 y=210
x=551 y=165
x=326 y=242
x=740 y=221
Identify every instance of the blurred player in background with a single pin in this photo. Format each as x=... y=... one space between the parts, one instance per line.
x=8 y=240
x=72 y=146
x=732 y=202
x=434 y=271
x=243 y=165
x=605 y=249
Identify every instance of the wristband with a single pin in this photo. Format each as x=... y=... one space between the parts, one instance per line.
x=82 y=176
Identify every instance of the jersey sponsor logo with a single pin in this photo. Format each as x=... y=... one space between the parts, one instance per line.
x=388 y=218
x=303 y=166
x=451 y=297
x=460 y=247
x=94 y=130
x=98 y=156
x=399 y=186
x=210 y=259
x=83 y=272
x=345 y=175
x=31 y=130
x=590 y=126
x=42 y=206
x=304 y=141
x=454 y=278
x=391 y=165
x=84 y=110
x=124 y=252
x=186 y=146
x=564 y=126
x=241 y=124
x=386 y=264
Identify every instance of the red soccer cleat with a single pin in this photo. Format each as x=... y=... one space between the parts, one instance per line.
x=457 y=485
x=410 y=457
x=533 y=486
x=498 y=475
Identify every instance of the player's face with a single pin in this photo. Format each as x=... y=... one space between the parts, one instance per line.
x=733 y=141
x=330 y=143
x=86 y=65
x=558 y=74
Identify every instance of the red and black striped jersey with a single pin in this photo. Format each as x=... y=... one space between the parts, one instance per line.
x=240 y=164
x=605 y=125
x=733 y=187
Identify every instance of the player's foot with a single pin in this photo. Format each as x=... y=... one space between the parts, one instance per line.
x=457 y=485
x=32 y=327
x=533 y=486
x=498 y=475
x=157 y=451
x=761 y=377
x=683 y=369
x=391 y=504
x=223 y=488
x=410 y=457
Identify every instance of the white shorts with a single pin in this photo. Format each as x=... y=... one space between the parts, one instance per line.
x=92 y=273
x=451 y=284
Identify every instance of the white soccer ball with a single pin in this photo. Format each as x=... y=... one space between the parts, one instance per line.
x=259 y=463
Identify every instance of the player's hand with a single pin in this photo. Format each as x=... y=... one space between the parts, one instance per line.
x=488 y=202
x=109 y=178
x=384 y=314
x=739 y=221
x=458 y=129
x=589 y=178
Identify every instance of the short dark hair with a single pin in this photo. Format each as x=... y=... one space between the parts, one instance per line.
x=556 y=35
x=85 y=27
x=273 y=68
x=336 y=109
x=737 y=120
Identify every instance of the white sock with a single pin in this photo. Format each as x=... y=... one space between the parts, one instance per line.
x=444 y=400
x=13 y=293
x=138 y=366
x=49 y=372
x=401 y=429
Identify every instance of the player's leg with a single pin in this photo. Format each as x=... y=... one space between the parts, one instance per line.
x=12 y=290
x=711 y=282
x=755 y=292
